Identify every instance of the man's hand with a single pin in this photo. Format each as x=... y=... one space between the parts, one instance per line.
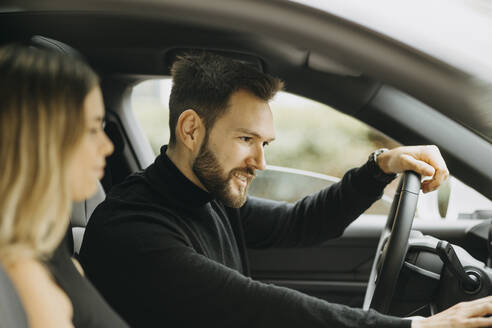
x=425 y=160
x=467 y=314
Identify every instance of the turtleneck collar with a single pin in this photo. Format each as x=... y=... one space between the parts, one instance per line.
x=173 y=184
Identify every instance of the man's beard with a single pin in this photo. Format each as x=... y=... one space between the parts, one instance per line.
x=218 y=183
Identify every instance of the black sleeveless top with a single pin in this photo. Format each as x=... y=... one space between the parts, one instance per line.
x=90 y=310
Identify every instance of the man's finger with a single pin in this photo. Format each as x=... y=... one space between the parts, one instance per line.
x=432 y=155
x=426 y=186
x=439 y=177
x=418 y=166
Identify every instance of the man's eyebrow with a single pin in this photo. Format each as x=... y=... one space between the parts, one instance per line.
x=243 y=130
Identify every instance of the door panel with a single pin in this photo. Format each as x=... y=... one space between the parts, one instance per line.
x=337 y=270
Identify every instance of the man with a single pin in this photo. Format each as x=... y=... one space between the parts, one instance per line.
x=167 y=248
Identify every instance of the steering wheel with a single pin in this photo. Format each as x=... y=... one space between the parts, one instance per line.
x=392 y=246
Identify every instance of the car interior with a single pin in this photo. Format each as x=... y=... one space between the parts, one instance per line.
x=405 y=94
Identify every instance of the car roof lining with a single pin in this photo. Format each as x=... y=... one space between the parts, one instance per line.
x=145 y=52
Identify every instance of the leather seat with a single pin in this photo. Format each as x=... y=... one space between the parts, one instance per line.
x=81 y=212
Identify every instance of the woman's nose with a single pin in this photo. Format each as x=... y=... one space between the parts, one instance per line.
x=107 y=145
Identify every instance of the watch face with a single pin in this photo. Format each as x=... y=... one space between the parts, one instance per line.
x=380 y=151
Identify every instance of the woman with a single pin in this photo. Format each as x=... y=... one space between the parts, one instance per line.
x=52 y=152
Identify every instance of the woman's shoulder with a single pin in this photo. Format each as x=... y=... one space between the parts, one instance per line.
x=25 y=268
x=45 y=303
x=29 y=272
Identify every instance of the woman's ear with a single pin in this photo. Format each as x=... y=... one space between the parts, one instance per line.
x=188 y=129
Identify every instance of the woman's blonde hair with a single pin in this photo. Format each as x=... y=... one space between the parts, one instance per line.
x=42 y=119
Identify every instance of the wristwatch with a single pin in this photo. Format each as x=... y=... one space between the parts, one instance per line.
x=375 y=170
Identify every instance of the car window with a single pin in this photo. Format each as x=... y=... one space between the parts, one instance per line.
x=315 y=145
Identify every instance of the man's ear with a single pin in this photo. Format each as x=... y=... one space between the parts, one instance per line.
x=188 y=129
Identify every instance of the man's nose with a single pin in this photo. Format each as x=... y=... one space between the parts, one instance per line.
x=257 y=159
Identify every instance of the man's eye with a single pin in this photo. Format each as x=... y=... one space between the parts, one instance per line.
x=246 y=139
x=265 y=143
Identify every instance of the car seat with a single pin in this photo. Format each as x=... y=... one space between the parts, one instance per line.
x=81 y=212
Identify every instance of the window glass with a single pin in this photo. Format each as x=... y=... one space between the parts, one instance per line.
x=150 y=103
x=314 y=137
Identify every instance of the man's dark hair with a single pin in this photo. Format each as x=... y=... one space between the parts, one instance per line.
x=205 y=82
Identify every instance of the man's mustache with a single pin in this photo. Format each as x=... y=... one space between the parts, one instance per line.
x=246 y=170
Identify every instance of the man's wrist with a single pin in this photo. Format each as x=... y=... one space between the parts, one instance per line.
x=375 y=170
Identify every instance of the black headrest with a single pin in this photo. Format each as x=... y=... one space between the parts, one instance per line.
x=42 y=42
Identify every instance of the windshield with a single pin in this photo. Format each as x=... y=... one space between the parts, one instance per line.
x=457 y=32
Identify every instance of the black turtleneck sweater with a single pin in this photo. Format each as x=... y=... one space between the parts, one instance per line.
x=165 y=253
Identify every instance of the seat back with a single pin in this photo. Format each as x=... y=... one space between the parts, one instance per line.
x=12 y=314
x=81 y=212
x=42 y=42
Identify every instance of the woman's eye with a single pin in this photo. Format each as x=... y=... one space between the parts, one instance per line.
x=95 y=130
